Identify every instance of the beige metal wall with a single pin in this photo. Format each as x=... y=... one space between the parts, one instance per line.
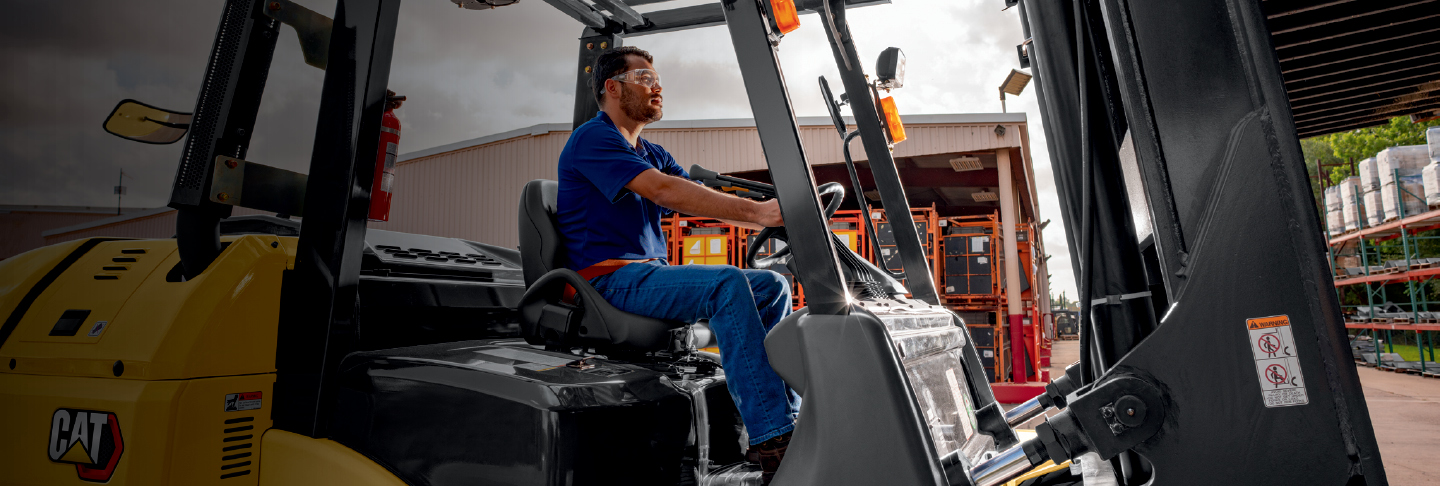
x=472 y=192
x=155 y=223
x=21 y=228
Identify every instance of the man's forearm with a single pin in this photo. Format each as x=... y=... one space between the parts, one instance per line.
x=696 y=200
x=682 y=195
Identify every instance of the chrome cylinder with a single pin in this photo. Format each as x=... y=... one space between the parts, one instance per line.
x=1010 y=464
x=1023 y=412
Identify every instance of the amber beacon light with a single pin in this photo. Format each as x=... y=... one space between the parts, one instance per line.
x=786 y=17
x=892 y=119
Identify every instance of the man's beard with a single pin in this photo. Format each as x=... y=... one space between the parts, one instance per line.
x=638 y=108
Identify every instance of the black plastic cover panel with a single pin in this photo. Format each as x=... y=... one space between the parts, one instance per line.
x=502 y=412
x=391 y=253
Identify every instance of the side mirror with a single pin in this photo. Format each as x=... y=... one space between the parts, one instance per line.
x=133 y=120
x=832 y=106
x=890 y=69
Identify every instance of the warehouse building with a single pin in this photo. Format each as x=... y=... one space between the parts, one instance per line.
x=958 y=169
x=471 y=189
x=22 y=225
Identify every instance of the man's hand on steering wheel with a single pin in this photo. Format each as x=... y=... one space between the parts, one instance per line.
x=782 y=256
x=768 y=214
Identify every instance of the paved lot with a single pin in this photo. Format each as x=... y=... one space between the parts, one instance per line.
x=1405 y=410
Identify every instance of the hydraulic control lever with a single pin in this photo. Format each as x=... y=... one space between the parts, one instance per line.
x=734 y=185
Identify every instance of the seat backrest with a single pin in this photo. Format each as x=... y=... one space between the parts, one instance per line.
x=540 y=243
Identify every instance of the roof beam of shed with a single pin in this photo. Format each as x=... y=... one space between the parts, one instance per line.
x=1365 y=99
x=915 y=177
x=1348 y=58
x=1357 y=29
x=1379 y=63
x=1372 y=107
x=1378 y=118
x=1327 y=17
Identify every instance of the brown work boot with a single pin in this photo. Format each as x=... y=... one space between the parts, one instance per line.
x=769 y=454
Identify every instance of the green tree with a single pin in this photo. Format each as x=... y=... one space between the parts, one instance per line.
x=1366 y=142
x=1356 y=145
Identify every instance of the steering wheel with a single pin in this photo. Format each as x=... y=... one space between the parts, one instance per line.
x=782 y=256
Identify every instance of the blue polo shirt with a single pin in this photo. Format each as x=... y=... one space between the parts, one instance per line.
x=599 y=218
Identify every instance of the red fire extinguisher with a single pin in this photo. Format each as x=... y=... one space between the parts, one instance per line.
x=385 y=160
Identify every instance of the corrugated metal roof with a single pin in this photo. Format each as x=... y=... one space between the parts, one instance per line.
x=804 y=121
x=1352 y=64
x=37 y=208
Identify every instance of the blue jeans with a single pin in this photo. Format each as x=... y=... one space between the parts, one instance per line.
x=742 y=306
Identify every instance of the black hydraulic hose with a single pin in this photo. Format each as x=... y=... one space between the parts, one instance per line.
x=1088 y=337
x=860 y=195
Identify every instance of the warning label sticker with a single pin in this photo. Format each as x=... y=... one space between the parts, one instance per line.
x=237 y=402
x=1276 y=362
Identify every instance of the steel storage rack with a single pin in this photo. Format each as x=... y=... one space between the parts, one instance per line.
x=926 y=221
x=1359 y=260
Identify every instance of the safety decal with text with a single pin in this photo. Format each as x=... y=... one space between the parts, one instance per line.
x=1276 y=361
x=88 y=439
x=238 y=402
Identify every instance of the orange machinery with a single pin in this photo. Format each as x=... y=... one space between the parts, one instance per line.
x=966 y=257
x=927 y=222
x=973 y=285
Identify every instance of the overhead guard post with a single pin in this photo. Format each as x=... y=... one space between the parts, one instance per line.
x=918 y=279
x=810 y=239
x=318 y=302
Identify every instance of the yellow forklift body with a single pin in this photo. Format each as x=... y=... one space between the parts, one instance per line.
x=296 y=460
x=122 y=374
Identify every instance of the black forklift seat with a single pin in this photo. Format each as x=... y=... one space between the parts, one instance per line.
x=589 y=321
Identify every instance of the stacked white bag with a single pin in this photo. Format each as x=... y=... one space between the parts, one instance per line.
x=1431 y=176
x=1369 y=175
x=1350 y=213
x=1431 y=172
x=1406 y=162
x=1372 y=209
x=1369 y=189
x=1334 y=221
x=1432 y=138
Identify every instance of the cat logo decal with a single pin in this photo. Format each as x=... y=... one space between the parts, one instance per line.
x=88 y=439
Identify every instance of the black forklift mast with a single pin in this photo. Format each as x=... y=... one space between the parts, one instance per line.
x=1233 y=251
x=1085 y=134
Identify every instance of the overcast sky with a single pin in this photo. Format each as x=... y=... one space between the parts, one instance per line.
x=467 y=74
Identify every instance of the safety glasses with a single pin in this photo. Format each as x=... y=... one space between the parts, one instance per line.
x=643 y=77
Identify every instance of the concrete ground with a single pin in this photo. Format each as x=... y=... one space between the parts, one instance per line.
x=1404 y=409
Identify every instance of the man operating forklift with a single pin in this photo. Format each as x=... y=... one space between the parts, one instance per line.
x=614 y=189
